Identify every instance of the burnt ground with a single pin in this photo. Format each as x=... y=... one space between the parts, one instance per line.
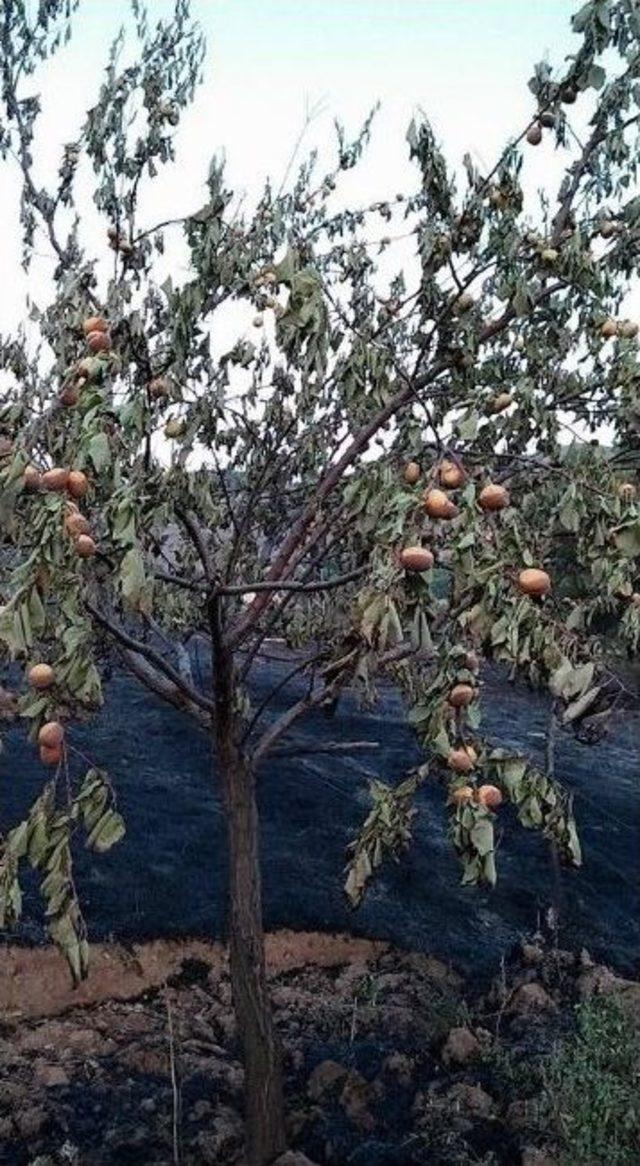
x=392 y=1059
x=368 y=1080
x=167 y=877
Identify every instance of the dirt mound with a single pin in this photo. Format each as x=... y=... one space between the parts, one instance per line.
x=34 y=981
x=390 y=1058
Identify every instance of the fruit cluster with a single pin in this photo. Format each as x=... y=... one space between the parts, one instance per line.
x=450 y=475
x=76 y=484
x=51 y=735
x=439 y=506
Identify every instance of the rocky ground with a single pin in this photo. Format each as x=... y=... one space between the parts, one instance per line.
x=391 y=1060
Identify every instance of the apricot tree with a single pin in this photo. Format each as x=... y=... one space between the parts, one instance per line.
x=402 y=438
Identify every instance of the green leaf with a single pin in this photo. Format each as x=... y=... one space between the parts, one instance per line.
x=109 y=830
x=98 y=452
x=522 y=300
x=133 y=581
x=467 y=426
x=560 y=677
x=420 y=635
x=597 y=76
x=578 y=707
x=16 y=842
x=440 y=743
x=627 y=539
x=482 y=835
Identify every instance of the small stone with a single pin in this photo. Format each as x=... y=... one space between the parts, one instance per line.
x=324 y=1077
x=293 y=1158
x=460 y=1047
x=531 y=998
x=470 y=1100
x=50 y=1076
x=532 y=953
x=535 y=1157
x=355 y=1099
x=30 y=1122
x=400 y=1066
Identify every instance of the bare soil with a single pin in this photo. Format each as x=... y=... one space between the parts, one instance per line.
x=391 y=1058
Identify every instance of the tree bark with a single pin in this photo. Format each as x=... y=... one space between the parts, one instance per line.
x=264 y=1103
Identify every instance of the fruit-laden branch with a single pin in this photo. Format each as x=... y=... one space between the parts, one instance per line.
x=579 y=167
x=357 y=446
x=334 y=476
x=189 y=693
x=281 y=565
x=293 y=585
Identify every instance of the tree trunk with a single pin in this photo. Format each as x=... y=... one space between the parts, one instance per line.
x=264 y=1104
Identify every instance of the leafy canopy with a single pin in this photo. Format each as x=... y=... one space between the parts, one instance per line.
x=261 y=482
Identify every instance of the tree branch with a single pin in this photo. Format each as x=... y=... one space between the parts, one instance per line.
x=178 y=581
x=289 y=717
x=162 y=687
x=190 y=523
x=310 y=747
x=145 y=650
x=281 y=585
x=301 y=667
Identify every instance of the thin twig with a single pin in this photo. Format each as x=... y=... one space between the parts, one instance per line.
x=330 y=747
x=175 y=1084
x=281 y=585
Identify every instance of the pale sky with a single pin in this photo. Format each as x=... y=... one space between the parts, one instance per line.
x=465 y=62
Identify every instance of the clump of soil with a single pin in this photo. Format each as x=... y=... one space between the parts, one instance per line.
x=391 y=1059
